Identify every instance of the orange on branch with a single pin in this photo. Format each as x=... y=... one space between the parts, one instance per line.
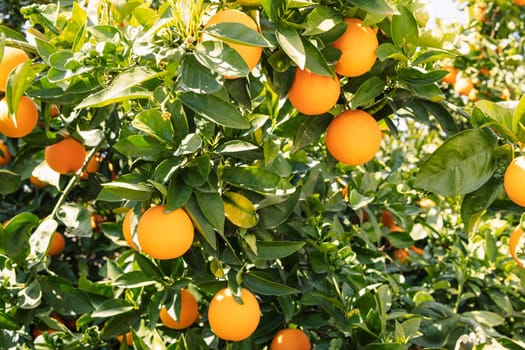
x=126 y=230
x=164 y=235
x=250 y=54
x=65 y=156
x=230 y=320
x=128 y=336
x=189 y=311
x=313 y=94
x=12 y=57
x=353 y=137
x=26 y=118
x=516 y=246
x=5 y=155
x=91 y=168
x=519 y=2
x=290 y=339
x=56 y=245
x=450 y=78
x=358 y=47
x=514 y=181
x=37 y=182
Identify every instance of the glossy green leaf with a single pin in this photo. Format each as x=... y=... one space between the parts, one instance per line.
x=442 y=115
x=200 y=222
x=419 y=77
x=10 y=181
x=196 y=172
x=368 y=91
x=141 y=146
x=112 y=307
x=14 y=237
x=191 y=143
x=460 y=165
x=178 y=194
x=321 y=20
x=76 y=218
x=315 y=60
x=374 y=6
x=63 y=297
x=239 y=210
x=8 y=322
x=117 y=191
x=220 y=58
x=292 y=44
x=518 y=120
x=256 y=179
x=275 y=213
x=236 y=33
x=212 y=207
x=18 y=81
x=499 y=116
x=30 y=297
x=154 y=123
x=109 y=96
x=133 y=279
x=477 y=202
x=263 y=284
x=199 y=78
x=310 y=130
x=404 y=28
x=271 y=250
x=215 y=110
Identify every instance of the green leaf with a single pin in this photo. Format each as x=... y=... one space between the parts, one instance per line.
x=437 y=325
x=212 y=207
x=292 y=44
x=239 y=210
x=315 y=61
x=10 y=181
x=63 y=297
x=109 y=96
x=460 y=165
x=117 y=191
x=30 y=297
x=496 y=115
x=518 y=120
x=14 y=237
x=256 y=179
x=220 y=58
x=374 y=6
x=200 y=222
x=18 y=81
x=400 y=239
x=477 y=202
x=141 y=146
x=8 y=322
x=236 y=33
x=404 y=28
x=276 y=212
x=199 y=78
x=196 y=172
x=264 y=284
x=310 y=130
x=178 y=194
x=387 y=50
x=417 y=76
x=133 y=279
x=271 y=250
x=191 y=143
x=484 y=317
x=153 y=122
x=76 y=218
x=442 y=115
x=112 y=307
x=215 y=109
x=321 y=20
x=368 y=91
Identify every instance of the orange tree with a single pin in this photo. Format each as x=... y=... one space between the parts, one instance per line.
x=180 y=125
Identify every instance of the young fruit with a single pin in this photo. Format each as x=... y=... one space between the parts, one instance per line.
x=313 y=94
x=353 y=137
x=5 y=155
x=164 y=235
x=56 y=245
x=230 y=320
x=189 y=311
x=12 y=57
x=514 y=181
x=26 y=118
x=65 y=156
x=358 y=47
x=250 y=54
x=290 y=339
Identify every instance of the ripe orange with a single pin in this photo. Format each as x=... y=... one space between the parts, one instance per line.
x=358 y=47
x=129 y=338
x=37 y=182
x=250 y=54
x=189 y=311
x=91 y=168
x=514 y=181
x=519 y=2
x=12 y=58
x=463 y=86
x=402 y=255
x=313 y=94
x=230 y=320
x=164 y=235
x=65 y=156
x=26 y=118
x=290 y=339
x=126 y=230
x=450 y=78
x=387 y=219
x=353 y=137
x=5 y=155
x=515 y=247
x=56 y=245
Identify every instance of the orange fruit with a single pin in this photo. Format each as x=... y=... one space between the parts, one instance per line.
x=514 y=245
x=56 y=245
x=54 y=111
x=91 y=168
x=5 y=155
x=416 y=250
x=126 y=230
x=129 y=338
x=358 y=47
x=450 y=78
x=313 y=94
x=37 y=182
x=250 y=54
x=189 y=311
x=12 y=57
x=514 y=181
x=290 y=339
x=353 y=137
x=65 y=156
x=230 y=320
x=463 y=86
x=387 y=219
x=164 y=235
x=26 y=118
x=519 y=2
x=402 y=255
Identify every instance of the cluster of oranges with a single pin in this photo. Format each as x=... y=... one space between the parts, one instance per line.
x=353 y=137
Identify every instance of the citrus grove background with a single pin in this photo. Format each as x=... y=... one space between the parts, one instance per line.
x=289 y=174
